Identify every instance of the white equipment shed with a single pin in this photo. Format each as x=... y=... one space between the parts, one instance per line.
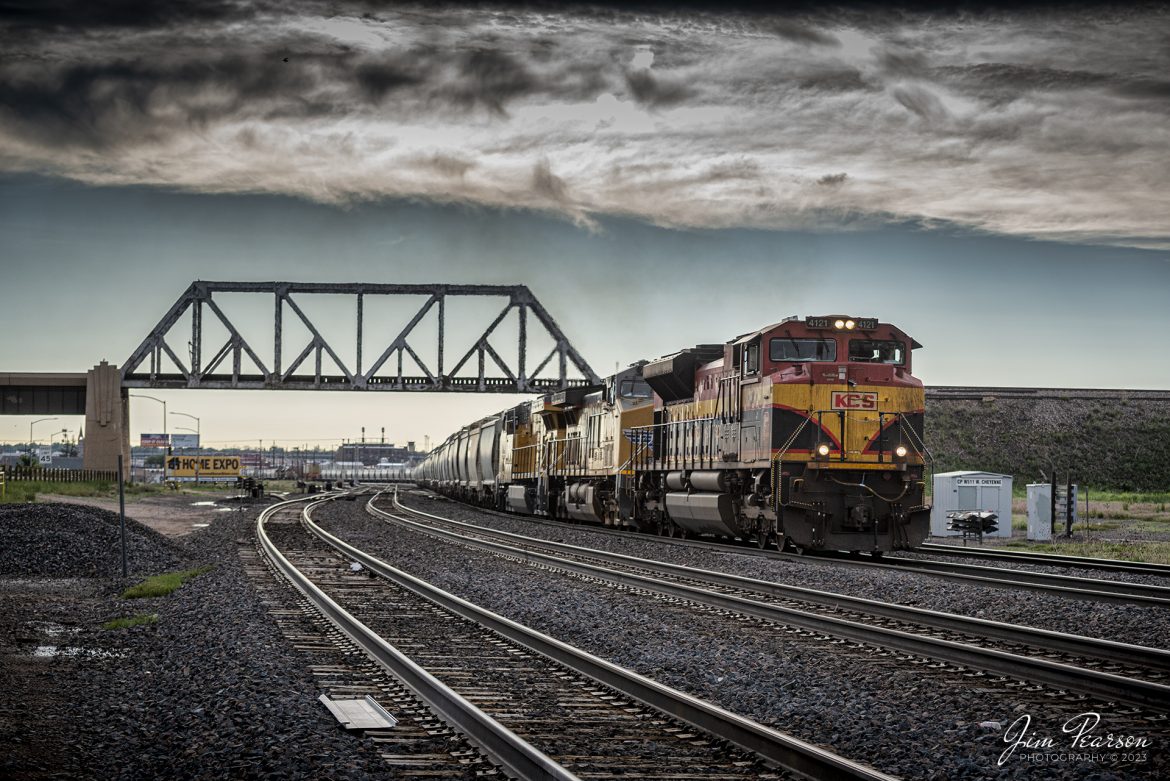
x=961 y=491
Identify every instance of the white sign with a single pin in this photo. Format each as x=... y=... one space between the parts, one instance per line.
x=978 y=481
x=184 y=440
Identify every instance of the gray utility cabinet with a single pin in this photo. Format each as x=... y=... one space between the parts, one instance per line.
x=984 y=491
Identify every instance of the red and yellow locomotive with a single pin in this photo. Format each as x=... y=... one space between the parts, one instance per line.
x=807 y=432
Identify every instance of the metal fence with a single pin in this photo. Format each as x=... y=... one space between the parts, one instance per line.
x=15 y=474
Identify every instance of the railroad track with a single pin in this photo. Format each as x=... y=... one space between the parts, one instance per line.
x=1074 y=587
x=536 y=707
x=1134 y=675
x=1049 y=559
x=1090 y=589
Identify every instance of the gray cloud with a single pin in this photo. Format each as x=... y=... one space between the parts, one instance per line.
x=1024 y=123
x=651 y=91
x=922 y=102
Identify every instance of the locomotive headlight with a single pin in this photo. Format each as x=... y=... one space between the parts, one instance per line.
x=900 y=451
x=839 y=324
x=823 y=449
x=849 y=324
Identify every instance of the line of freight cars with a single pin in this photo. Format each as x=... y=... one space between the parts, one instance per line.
x=808 y=433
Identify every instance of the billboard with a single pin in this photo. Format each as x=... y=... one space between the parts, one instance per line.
x=209 y=467
x=154 y=440
x=185 y=440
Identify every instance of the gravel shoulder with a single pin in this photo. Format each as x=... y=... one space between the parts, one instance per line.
x=212 y=690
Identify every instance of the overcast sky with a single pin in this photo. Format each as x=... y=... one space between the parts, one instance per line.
x=992 y=181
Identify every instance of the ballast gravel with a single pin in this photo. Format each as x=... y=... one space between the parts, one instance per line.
x=905 y=718
x=1136 y=624
x=68 y=541
x=212 y=690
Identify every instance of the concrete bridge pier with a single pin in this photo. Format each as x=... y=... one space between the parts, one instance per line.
x=107 y=419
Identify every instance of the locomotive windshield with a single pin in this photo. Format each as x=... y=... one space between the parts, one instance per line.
x=876 y=351
x=789 y=349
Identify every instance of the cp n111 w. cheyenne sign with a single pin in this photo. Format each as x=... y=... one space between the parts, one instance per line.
x=203 y=467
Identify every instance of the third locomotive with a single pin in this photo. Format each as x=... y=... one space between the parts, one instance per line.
x=807 y=432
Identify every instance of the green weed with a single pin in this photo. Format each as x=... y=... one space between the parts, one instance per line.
x=161 y=585
x=135 y=620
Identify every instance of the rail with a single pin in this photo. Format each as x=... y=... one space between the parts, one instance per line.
x=1102 y=684
x=1050 y=559
x=495 y=740
x=796 y=755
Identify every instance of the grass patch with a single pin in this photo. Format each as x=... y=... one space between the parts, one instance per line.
x=1154 y=552
x=161 y=585
x=1127 y=497
x=135 y=620
x=22 y=491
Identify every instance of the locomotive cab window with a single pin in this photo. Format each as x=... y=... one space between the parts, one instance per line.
x=789 y=349
x=751 y=358
x=635 y=389
x=877 y=351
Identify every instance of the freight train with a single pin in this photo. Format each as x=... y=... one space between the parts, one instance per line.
x=807 y=433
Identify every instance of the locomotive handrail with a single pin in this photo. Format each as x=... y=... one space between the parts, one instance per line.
x=776 y=465
x=678 y=429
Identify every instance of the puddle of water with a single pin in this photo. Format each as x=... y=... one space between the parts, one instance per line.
x=51 y=651
x=199 y=525
x=50 y=629
x=203 y=504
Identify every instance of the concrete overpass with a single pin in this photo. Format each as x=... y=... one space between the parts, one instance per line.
x=98 y=394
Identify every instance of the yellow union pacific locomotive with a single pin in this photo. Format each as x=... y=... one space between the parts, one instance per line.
x=808 y=433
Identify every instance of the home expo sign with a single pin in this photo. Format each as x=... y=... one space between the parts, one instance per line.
x=203 y=467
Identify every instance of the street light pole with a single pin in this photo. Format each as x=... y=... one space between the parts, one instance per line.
x=60 y=433
x=30 y=435
x=198 y=425
x=164 y=431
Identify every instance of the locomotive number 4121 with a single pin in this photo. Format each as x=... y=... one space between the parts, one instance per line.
x=854 y=400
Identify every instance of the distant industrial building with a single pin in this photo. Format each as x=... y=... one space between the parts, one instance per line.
x=373 y=453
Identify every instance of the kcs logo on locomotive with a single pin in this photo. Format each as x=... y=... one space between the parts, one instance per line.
x=854 y=400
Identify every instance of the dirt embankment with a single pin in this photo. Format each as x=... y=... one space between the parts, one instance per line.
x=172 y=514
x=1109 y=441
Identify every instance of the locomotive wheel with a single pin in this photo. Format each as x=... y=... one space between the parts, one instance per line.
x=762 y=540
x=877 y=554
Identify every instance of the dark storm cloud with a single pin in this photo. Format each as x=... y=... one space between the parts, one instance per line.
x=651 y=91
x=1017 y=78
x=1157 y=89
x=836 y=80
x=800 y=32
x=490 y=78
x=378 y=78
x=1035 y=122
x=142 y=14
x=546 y=183
x=122 y=100
x=922 y=102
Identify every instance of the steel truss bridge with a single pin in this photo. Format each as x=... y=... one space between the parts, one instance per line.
x=240 y=363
